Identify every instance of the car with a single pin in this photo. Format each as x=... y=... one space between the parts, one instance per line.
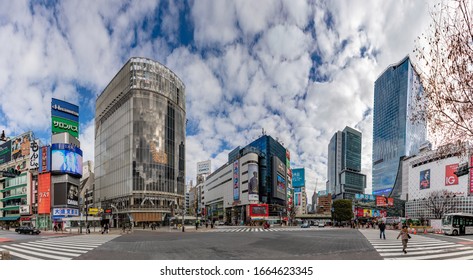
x=307 y=225
x=27 y=230
x=221 y=223
x=321 y=225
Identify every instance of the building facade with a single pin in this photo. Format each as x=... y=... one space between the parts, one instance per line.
x=432 y=185
x=140 y=143
x=344 y=164
x=397 y=92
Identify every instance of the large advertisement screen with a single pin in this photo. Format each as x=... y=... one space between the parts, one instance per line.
x=298 y=177
x=64 y=110
x=66 y=158
x=253 y=184
x=5 y=152
x=259 y=210
x=72 y=195
x=424 y=181
x=44 y=193
x=279 y=179
x=63 y=125
x=450 y=177
x=236 y=181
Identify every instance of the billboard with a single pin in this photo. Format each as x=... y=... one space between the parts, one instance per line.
x=45 y=159
x=34 y=155
x=424 y=180
x=44 y=193
x=5 y=152
x=72 y=195
x=59 y=194
x=64 y=110
x=24 y=209
x=450 y=177
x=253 y=183
x=390 y=201
x=203 y=167
x=236 y=181
x=298 y=177
x=297 y=199
x=63 y=125
x=279 y=179
x=64 y=212
x=381 y=201
x=258 y=210
x=66 y=158
x=20 y=146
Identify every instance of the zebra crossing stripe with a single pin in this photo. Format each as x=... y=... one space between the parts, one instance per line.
x=36 y=253
x=418 y=249
x=45 y=250
x=400 y=253
x=427 y=257
x=21 y=256
x=56 y=248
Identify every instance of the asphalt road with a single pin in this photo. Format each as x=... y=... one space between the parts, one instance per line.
x=325 y=244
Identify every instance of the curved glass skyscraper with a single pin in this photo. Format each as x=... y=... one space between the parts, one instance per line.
x=139 y=143
x=396 y=93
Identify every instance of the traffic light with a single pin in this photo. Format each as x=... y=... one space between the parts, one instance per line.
x=462 y=170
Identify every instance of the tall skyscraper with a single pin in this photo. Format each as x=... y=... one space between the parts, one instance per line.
x=344 y=164
x=139 y=143
x=396 y=93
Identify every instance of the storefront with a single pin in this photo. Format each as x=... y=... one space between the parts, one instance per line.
x=257 y=214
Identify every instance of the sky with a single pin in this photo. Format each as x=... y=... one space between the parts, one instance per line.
x=300 y=70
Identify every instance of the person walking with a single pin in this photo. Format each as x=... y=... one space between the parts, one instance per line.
x=404 y=237
x=88 y=229
x=382 y=227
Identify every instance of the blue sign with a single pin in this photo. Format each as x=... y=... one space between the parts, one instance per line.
x=383 y=191
x=64 y=110
x=298 y=177
x=63 y=212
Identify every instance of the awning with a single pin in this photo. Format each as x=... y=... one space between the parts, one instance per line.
x=12 y=218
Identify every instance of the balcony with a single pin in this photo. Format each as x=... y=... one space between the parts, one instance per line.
x=13 y=197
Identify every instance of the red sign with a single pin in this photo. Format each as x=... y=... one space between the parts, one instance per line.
x=44 y=193
x=359 y=212
x=381 y=201
x=450 y=177
x=390 y=201
x=383 y=213
x=471 y=175
x=259 y=210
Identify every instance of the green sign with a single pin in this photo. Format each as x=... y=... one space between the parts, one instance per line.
x=62 y=125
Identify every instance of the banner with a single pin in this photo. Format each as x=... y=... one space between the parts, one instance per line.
x=64 y=110
x=450 y=177
x=21 y=146
x=253 y=183
x=236 y=181
x=381 y=201
x=45 y=159
x=424 y=179
x=44 y=193
x=72 y=195
x=63 y=125
x=298 y=177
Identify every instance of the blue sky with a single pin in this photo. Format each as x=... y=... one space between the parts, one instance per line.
x=299 y=69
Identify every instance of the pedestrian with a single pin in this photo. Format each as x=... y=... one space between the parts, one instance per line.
x=55 y=227
x=88 y=228
x=196 y=224
x=206 y=224
x=404 y=237
x=382 y=227
x=143 y=225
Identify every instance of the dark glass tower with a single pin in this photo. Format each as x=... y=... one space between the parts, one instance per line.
x=396 y=93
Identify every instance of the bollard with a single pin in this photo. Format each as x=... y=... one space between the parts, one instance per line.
x=5 y=255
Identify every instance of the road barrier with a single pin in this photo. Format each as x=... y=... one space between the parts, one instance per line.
x=5 y=255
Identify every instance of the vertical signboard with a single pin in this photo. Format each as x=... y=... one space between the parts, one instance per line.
x=5 y=152
x=236 y=181
x=44 y=193
x=34 y=155
x=279 y=179
x=471 y=175
x=450 y=177
x=424 y=180
x=253 y=183
x=298 y=177
x=45 y=159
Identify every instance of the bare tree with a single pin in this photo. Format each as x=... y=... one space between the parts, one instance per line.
x=441 y=202
x=445 y=57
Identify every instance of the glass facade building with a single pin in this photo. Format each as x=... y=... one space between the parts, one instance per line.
x=140 y=143
x=344 y=164
x=397 y=91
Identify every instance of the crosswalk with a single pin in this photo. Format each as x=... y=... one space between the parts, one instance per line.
x=418 y=247
x=256 y=229
x=60 y=248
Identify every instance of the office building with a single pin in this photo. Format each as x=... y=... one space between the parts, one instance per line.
x=140 y=143
x=397 y=92
x=344 y=165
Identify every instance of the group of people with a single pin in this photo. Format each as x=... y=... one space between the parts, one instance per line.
x=404 y=234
